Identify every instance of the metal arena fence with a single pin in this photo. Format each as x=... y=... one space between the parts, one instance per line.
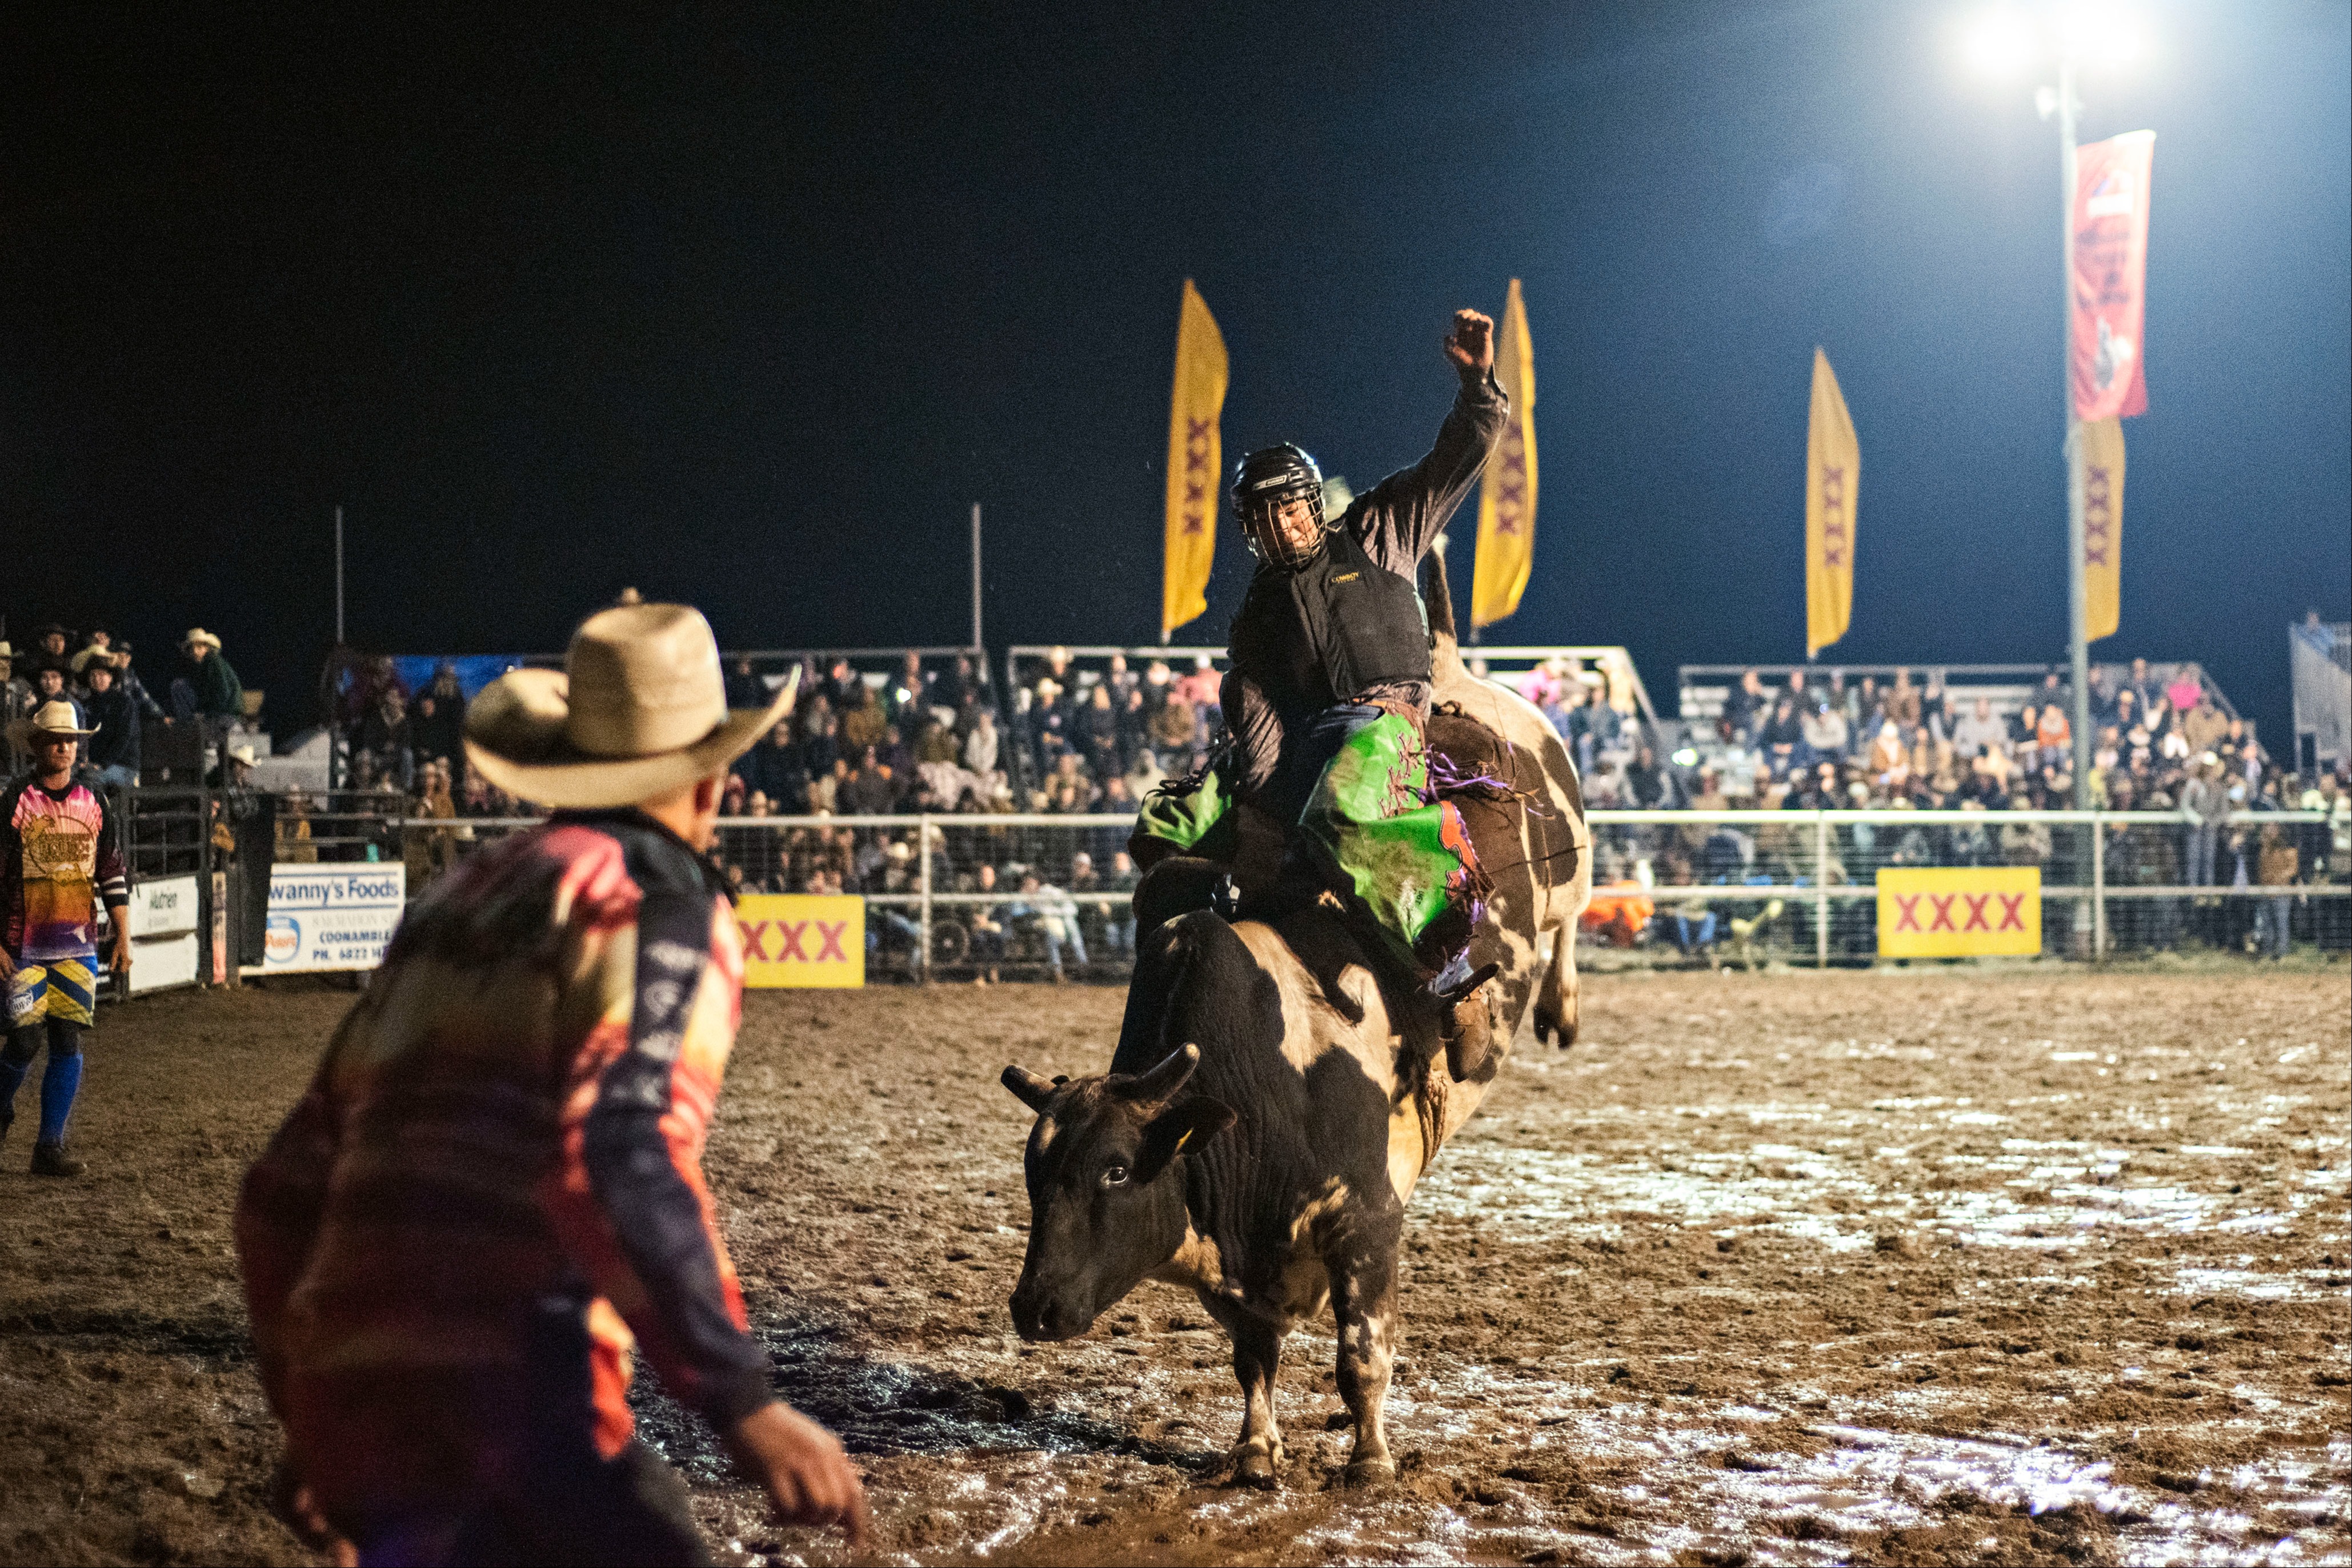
x=946 y=896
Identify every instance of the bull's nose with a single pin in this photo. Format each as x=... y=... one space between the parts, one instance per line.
x=1036 y=1316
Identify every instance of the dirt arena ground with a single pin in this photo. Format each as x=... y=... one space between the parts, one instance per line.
x=1900 y=1267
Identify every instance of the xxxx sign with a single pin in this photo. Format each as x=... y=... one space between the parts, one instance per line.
x=1964 y=912
x=797 y=940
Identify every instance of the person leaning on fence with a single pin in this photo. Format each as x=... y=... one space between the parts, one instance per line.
x=60 y=858
x=492 y=1194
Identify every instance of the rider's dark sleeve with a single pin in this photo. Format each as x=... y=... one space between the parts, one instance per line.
x=1256 y=730
x=1396 y=519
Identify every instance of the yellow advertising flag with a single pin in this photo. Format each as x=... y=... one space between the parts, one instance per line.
x=1832 y=480
x=1507 y=499
x=1195 y=455
x=2102 y=478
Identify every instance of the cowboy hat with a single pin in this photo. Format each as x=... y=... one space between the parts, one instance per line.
x=244 y=754
x=53 y=719
x=198 y=635
x=639 y=708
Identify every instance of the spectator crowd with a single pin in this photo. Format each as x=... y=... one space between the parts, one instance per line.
x=95 y=674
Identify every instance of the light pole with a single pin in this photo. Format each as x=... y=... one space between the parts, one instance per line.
x=2078 y=643
x=2005 y=40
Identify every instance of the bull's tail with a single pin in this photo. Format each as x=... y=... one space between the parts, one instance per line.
x=1437 y=595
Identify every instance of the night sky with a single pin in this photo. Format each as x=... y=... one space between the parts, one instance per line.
x=746 y=307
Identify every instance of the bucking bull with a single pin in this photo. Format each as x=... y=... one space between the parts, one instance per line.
x=1275 y=1094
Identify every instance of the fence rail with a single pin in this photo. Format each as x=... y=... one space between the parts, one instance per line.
x=1755 y=886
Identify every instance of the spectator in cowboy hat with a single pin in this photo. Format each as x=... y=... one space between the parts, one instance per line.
x=457 y=1366
x=215 y=689
x=48 y=652
x=114 y=749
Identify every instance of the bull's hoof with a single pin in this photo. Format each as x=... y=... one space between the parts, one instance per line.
x=1255 y=1469
x=1368 y=1473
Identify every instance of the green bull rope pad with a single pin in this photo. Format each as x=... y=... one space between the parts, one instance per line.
x=1402 y=853
x=1185 y=811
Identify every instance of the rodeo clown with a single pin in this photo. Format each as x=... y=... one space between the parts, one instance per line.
x=491 y=1198
x=1329 y=690
x=60 y=858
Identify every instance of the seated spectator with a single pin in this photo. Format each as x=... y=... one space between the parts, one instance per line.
x=1055 y=917
x=1651 y=788
x=1935 y=707
x=49 y=686
x=862 y=724
x=1903 y=704
x=1097 y=732
x=292 y=828
x=114 y=749
x=2054 y=735
x=213 y=690
x=49 y=654
x=1744 y=707
x=910 y=693
x=1173 y=726
x=16 y=703
x=1826 y=732
x=2185 y=691
x=100 y=646
x=1978 y=728
x=1889 y=761
x=870 y=791
x=436 y=733
x=985 y=923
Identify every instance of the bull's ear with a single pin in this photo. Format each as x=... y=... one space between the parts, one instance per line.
x=1161 y=1083
x=1028 y=1087
x=1186 y=1126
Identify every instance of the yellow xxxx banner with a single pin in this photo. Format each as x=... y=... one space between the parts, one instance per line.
x=1833 y=479
x=1960 y=913
x=1195 y=455
x=1506 y=498
x=801 y=940
x=2101 y=475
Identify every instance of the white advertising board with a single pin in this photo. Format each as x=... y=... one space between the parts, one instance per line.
x=163 y=923
x=332 y=917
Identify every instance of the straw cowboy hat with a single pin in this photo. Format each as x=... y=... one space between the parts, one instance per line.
x=639 y=708
x=197 y=636
x=52 y=720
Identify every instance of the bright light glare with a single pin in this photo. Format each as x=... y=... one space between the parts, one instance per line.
x=2002 y=43
x=2098 y=34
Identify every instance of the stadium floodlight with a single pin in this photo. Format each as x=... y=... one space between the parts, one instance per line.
x=2097 y=33
x=2003 y=42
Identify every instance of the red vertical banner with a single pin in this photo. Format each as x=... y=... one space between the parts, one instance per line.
x=2110 y=218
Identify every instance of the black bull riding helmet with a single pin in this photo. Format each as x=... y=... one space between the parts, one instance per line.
x=1265 y=482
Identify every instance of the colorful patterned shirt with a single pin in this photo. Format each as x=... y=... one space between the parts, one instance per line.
x=60 y=858
x=492 y=1192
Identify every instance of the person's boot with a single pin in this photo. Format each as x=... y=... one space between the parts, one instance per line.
x=51 y=1160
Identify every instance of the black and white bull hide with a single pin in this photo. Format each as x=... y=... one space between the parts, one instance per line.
x=1273 y=1097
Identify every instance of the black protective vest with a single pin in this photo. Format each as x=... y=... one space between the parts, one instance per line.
x=1331 y=630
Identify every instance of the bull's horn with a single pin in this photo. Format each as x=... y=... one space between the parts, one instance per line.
x=1160 y=1085
x=1027 y=1087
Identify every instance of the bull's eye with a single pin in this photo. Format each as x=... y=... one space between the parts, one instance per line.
x=1114 y=1176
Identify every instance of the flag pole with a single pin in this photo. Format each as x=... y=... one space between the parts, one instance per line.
x=975 y=574
x=2078 y=646
x=338 y=577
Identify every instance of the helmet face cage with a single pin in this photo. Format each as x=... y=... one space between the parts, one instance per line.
x=1283 y=476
